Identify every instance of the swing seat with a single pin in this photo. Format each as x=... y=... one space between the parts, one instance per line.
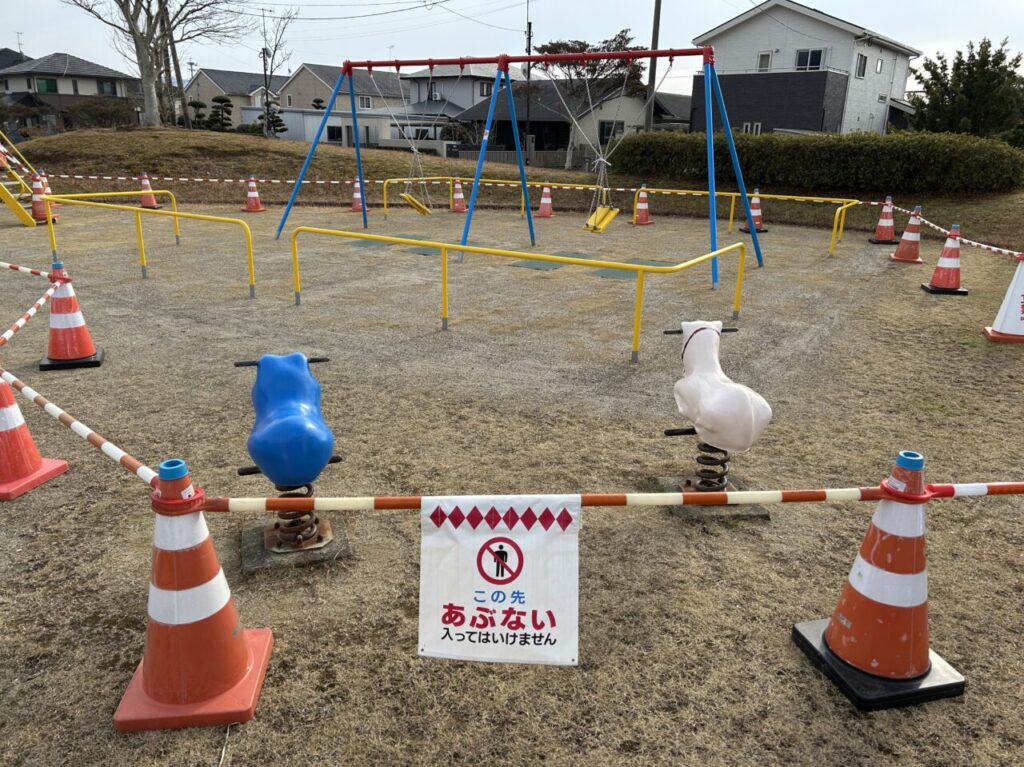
x=599 y=221
x=415 y=204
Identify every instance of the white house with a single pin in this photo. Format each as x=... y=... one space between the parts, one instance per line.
x=784 y=66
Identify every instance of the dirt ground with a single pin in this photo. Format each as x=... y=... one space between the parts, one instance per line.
x=685 y=646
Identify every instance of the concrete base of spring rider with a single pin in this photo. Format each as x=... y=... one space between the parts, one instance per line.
x=260 y=549
x=711 y=513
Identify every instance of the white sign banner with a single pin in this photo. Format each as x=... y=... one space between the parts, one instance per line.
x=499 y=578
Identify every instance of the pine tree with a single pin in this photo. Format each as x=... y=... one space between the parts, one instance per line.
x=220 y=114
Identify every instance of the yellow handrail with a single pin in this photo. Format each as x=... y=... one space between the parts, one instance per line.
x=175 y=214
x=641 y=270
x=839 y=224
x=104 y=195
x=493 y=182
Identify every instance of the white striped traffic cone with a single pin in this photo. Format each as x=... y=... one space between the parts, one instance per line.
x=70 y=344
x=1009 y=323
x=642 y=216
x=885 y=231
x=252 y=198
x=147 y=200
x=200 y=667
x=46 y=188
x=875 y=645
x=458 y=199
x=546 y=209
x=946 y=277
x=909 y=249
x=38 y=207
x=357 y=197
x=755 y=213
x=21 y=466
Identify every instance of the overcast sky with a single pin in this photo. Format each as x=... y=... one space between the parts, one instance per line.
x=418 y=28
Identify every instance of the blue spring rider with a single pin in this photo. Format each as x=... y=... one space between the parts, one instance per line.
x=290 y=442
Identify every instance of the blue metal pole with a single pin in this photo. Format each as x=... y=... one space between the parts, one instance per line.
x=480 y=160
x=359 y=158
x=736 y=165
x=519 y=156
x=309 y=155
x=709 y=129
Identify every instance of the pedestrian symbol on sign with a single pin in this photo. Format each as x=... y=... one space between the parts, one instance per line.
x=500 y=561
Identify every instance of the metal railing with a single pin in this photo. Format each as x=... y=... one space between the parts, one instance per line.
x=86 y=200
x=496 y=182
x=444 y=248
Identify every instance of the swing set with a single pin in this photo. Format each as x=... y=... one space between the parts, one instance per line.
x=601 y=211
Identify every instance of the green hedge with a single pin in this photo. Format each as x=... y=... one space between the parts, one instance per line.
x=932 y=163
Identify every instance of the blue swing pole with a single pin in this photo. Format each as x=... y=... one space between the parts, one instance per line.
x=480 y=161
x=709 y=129
x=519 y=157
x=735 y=162
x=359 y=158
x=312 y=151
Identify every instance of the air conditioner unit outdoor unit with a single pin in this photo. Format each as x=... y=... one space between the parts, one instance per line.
x=435 y=96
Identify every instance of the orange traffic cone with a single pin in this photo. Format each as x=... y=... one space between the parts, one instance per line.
x=357 y=196
x=875 y=645
x=909 y=249
x=1009 y=323
x=21 y=466
x=46 y=188
x=71 y=344
x=885 y=232
x=38 y=208
x=546 y=209
x=147 y=200
x=642 y=215
x=458 y=199
x=755 y=213
x=946 y=277
x=200 y=667
x=252 y=199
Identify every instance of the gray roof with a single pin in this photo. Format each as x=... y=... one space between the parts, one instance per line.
x=9 y=57
x=673 y=104
x=64 y=64
x=389 y=83
x=487 y=71
x=545 y=104
x=420 y=109
x=241 y=83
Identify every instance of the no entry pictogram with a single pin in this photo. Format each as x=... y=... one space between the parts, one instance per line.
x=500 y=561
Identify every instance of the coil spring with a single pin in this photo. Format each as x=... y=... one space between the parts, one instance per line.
x=713 y=474
x=297 y=529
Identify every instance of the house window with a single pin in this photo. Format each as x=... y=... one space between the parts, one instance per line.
x=366 y=102
x=764 y=61
x=46 y=84
x=288 y=99
x=878 y=66
x=809 y=60
x=745 y=128
x=752 y=128
x=334 y=133
x=607 y=129
x=862 y=65
x=28 y=83
x=882 y=98
x=486 y=87
x=434 y=94
x=74 y=87
x=106 y=87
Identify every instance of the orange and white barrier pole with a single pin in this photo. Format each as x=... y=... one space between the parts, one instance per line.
x=876 y=641
x=200 y=668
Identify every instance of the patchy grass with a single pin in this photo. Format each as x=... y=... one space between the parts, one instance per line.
x=994 y=219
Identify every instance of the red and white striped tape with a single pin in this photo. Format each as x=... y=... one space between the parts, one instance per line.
x=23 y=269
x=9 y=333
x=1019 y=255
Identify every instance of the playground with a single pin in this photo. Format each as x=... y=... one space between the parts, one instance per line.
x=685 y=650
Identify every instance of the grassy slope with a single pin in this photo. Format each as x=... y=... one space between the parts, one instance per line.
x=172 y=152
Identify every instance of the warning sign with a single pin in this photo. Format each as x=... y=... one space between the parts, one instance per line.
x=499 y=578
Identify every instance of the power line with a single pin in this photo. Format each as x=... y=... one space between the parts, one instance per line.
x=484 y=23
x=426 y=5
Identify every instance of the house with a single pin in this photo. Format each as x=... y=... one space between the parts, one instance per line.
x=9 y=57
x=316 y=81
x=553 y=130
x=459 y=86
x=784 y=66
x=60 y=86
x=243 y=88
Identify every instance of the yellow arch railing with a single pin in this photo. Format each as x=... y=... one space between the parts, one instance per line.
x=86 y=200
x=444 y=248
x=450 y=181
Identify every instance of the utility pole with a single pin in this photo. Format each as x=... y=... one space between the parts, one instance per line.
x=191 y=69
x=652 y=82
x=529 y=94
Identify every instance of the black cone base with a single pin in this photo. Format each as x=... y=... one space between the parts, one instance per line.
x=873 y=241
x=82 y=362
x=871 y=693
x=944 y=291
x=745 y=230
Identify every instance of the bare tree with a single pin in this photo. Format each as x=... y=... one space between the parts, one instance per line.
x=274 y=55
x=143 y=23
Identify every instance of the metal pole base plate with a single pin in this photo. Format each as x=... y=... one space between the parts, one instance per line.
x=255 y=555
